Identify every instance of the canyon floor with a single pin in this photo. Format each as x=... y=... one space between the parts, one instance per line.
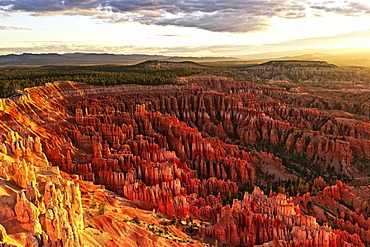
x=212 y=161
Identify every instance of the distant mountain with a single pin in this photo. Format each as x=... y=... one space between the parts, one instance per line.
x=306 y=71
x=29 y=59
x=348 y=59
x=359 y=58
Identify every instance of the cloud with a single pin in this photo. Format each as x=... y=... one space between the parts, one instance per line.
x=287 y=48
x=212 y=15
x=39 y=6
x=2 y=28
x=346 y=8
x=218 y=22
x=327 y=41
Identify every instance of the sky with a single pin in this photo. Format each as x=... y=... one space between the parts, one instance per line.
x=230 y=28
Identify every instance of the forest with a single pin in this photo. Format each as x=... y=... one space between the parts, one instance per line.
x=17 y=78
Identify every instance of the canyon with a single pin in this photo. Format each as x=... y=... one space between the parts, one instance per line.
x=211 y=161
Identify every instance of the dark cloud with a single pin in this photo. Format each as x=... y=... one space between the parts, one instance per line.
x=39 y=6
x=223 y=22
x=212 y=15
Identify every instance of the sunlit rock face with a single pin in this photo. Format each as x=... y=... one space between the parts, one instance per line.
x=199 y=150
x=36 y=200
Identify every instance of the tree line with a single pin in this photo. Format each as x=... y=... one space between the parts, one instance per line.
x=13 y=79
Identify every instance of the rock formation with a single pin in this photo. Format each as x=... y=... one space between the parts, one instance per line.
x=192 y=151
x=46 y=206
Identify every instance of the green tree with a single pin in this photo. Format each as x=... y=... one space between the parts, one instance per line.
x=102 y=208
